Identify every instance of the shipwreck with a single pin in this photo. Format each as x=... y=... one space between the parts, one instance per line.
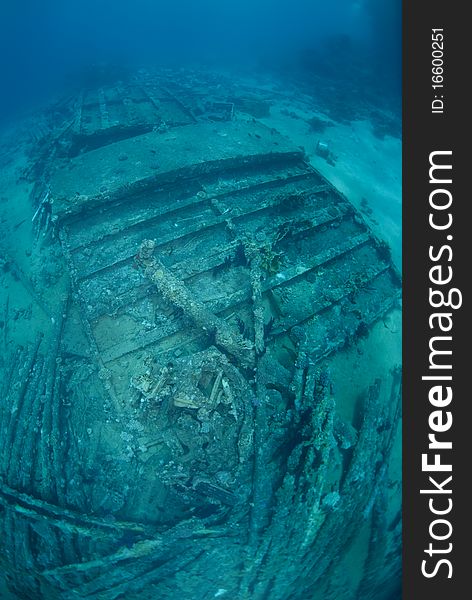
x=175 y=433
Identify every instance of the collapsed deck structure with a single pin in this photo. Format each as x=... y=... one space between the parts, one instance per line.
x=177 y=435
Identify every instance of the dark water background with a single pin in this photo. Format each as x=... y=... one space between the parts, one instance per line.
x=47 y=46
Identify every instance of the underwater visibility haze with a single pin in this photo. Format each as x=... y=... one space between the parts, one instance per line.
x=200 y=318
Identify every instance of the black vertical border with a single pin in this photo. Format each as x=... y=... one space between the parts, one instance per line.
x=424 y=132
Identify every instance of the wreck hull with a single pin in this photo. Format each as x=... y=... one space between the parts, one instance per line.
x=178 y=436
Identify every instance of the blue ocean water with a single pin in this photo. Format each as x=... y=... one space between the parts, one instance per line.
x=45 y=45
